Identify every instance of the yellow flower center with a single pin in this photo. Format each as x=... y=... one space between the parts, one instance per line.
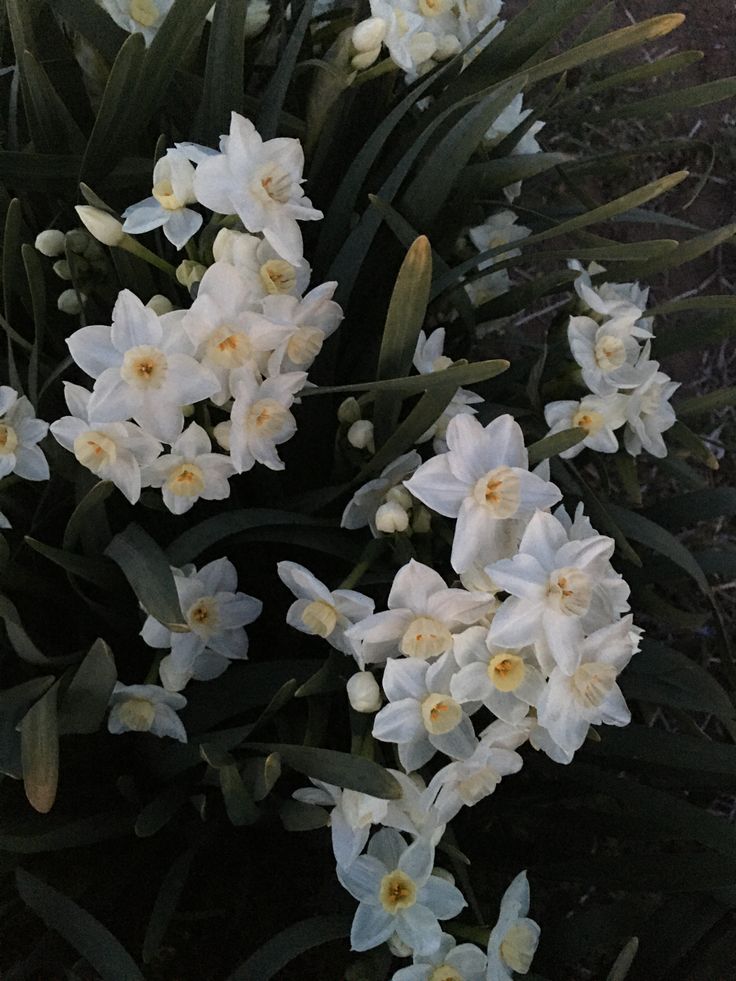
x=229 y=347
x=267 y=417
x=591 y=683
x=186 y=480
x=499 y=491
x=440 y=713
x=137 y=714
x=571 y=590
x=589 y=420
x=445 y=973
x=425 y=637
x=506 y=671
x=304 y=345
x=144 y=12
x=610 y=352
x=320 y=617
x=273 y=183
x=163 y=191
x=144 y=367
x=8 y=439
x=518 y=947
x=397 y=891
x=432 y=8
x=94 y=450
x=278 y=276
x=202 y=616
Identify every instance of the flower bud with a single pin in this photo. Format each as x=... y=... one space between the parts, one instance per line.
x=187 y=411
x=391 y=518
x=189 y=272
x=369 y=34
x=421 y=520
x=360 y=435
x=50 y=243
x=69 y=302
x=364 y=59
x=401 y=495
x=103 y=226
x=62 y=270
x=77 y=241
x=364 y=693
x=397 y=946
x=221 y=432
x=160 y=304
x=422 y=47
x=349 y=411
x=447 y=47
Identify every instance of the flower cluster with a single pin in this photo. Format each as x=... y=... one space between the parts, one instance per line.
x=243 y=348
x=611 y=343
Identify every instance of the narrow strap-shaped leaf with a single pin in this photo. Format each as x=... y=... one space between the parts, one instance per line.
x=703 y=404
x=224 y=71
x=679 y=100
x=167 y=900
x=39 y=735
x=84 y=703
x=549 y=446
x=686 y=251
x=493 y=175
x=406 y=312
x=287 y=945
x=37 y=288
x=94 y=23
x=79 y=928
x=93 y=499
x=147 y=569
x=100 y=571
x=458 y=375
x=14 y=703
x=684 y=510
x=55 y=125
x=272 y=100
x=639 y=73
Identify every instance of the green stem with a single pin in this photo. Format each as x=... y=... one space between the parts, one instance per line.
x=370 y=554
x=129 y=244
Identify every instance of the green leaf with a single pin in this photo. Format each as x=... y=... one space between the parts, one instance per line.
x=148 y=571
x=167 y=900
x=93 y=23
x=272 y=100
x=679 y=100
x=37 y=288
x=406 y=313
x=458 y=375
x=297 y=816
x=85 y=934
x=696 y=332
x=12 y=263
x=705 y=404
x=70 y=834
x=624 y=961
x=492 y=176
x=687 y=251
x=238 y=799
x=696 y=303
x=543 y=449
x=82 y=513
x=14 y=704
x=602 y=516
x=649 y=533
x=639 y=73
x=53 y=126
x=99 y=571
x=39 y=739
x=53 y=173
x=224 y=71
x=694 y=447
x=685 y=510
x=341 y=769
x=289 y=944
x=84 y=704
x=647 y=746
x=159 y=811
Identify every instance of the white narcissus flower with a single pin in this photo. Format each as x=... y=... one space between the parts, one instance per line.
x=352 y=815
x=412 y=813
x=571 y=703
x=362 y=507
x=514 y=938
x=483 y=481
x=410 y=44
x=598 y=415
x=499 y=229
x=322 y=612
x=226 y=333
x=552 y=582
x=428 y=358
x=506 y=681
x=609 y=354
x=309 y=322
x=143 y=367
x=260 y=182
x=466 y=782
x=116 y=451
x=452 y=962
x=173 y=190
x=138 y=16
x=215 y=615
x=423 y=613
x=613 y=300
x=649 y=414
x=262 y=270
x=20 y=431
x=397 y=893
x=146 y=708
x=190 y=471
x=260 y=418
x=422 y=717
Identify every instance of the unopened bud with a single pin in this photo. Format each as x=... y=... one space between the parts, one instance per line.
x=221 y=432
x=447 y=47
x=364 y=59
x=369 y=34
x=103 y=226
x=364 y=693
x=391 y=518
x=71 y=303
x=401 y=495
x=187 y=411
x=349 y=411
x=189 y=272
x=62 y=270
x=360 y=435
x=77 y=241
x=422 y=47
x=421 y=520
x=397 y=946
x=160 y=304
x=50 y=243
